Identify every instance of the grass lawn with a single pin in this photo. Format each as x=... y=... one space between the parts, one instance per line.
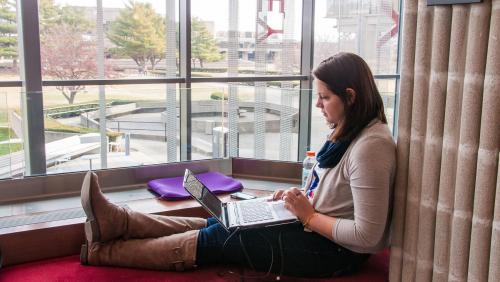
x=6 y=134
x=10 y=97
x=53 y=125
x=3 y=118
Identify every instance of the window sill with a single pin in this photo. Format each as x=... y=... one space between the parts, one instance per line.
x=50 y=239
x=56 y=238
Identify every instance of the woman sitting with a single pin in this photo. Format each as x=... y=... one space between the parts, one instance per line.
x=344 y=212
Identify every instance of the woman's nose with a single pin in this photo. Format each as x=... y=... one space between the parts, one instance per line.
x=318 y=103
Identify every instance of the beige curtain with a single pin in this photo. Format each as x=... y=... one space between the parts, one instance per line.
x=446 y=224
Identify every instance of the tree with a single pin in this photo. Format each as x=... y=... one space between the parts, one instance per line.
x=48 y=13
x=73 y=17
x=139 y=33
x=203 y=47
x=8 y=30
x=52 y=15
x=67 y=53
x=67 y=48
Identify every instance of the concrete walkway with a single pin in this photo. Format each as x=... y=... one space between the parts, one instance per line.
x=12 y=165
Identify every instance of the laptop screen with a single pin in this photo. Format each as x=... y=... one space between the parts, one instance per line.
x=202 y=194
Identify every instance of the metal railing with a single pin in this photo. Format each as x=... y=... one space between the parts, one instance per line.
x=120 y=128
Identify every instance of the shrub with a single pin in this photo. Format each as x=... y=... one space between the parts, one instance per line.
x=218 y=96
x=70 y=110
x=53 y=125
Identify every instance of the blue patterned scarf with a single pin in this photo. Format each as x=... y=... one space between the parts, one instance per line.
x=331 y=153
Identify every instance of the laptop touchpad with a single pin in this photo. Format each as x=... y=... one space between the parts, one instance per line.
x=281 y=211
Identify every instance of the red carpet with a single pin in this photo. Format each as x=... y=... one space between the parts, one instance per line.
x=69 y=269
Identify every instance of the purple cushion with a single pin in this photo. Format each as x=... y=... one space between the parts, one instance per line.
x=172 y=189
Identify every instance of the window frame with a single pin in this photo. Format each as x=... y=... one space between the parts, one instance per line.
x=32 y=82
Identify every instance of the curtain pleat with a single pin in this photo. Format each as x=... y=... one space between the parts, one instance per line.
x=417 y=139
x=433 y=141
x=456 y=73
x=487 y=173
x=475 y=61
x=494 y=273
x=492 y=97
x=403 y=140
x=446 y=210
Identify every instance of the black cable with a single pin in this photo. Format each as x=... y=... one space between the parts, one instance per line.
x=247 y=257
x=272 y=255
x=282 y=261
x=228 y=238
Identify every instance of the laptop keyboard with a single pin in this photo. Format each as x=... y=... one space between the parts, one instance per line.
x=255 y=211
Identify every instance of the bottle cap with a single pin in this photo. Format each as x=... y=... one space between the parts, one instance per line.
x=310 y=153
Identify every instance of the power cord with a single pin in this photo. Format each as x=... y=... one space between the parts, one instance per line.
x=229 y=238
x=282 y=261
x=248 y=259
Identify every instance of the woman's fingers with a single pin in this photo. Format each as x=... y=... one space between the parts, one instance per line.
x=281 y=194
x=292 y=194
x=288 y=206
x=278 y=194
x=295 y=191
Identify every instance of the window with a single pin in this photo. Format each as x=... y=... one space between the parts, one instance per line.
x=9 y=58
x=119 y=91
x=11 y=133
x=245 y=38
x=11 y=147
x=367 y=28
x=137 y=40
x=260 y=122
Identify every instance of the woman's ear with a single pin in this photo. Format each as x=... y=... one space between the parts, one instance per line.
x=351 y=95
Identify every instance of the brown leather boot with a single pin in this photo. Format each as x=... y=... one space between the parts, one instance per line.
x=141 y=225
x=176 y=252
x=107 y=221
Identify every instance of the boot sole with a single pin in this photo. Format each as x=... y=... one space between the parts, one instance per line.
x=92 y=232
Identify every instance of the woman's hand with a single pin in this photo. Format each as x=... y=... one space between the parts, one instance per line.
x=298 y=204
x=278 y=194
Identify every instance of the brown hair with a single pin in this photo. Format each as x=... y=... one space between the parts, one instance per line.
x=347 y=70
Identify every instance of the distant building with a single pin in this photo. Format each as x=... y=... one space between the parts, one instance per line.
x=246 y=40
x=109 y=15
x=368 y=28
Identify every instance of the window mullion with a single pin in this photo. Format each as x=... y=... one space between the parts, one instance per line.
x=185 y=72
x=306 y=63
x=32 y=97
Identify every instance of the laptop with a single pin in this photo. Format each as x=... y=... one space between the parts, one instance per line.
x=245 y=214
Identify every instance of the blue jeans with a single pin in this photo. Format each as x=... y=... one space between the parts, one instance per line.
x=286 y=249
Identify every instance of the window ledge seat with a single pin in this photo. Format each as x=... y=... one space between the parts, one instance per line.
x=69 y=269
x=49 y=251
